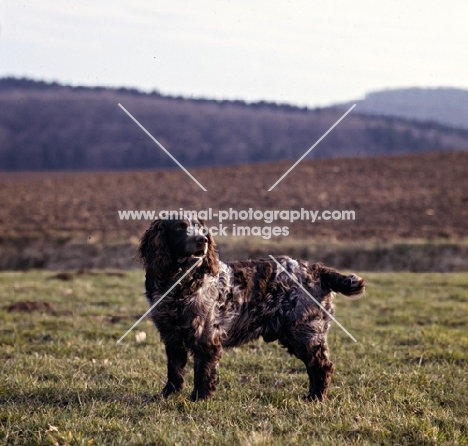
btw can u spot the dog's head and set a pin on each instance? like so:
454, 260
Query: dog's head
170, 245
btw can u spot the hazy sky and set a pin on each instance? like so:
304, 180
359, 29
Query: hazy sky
302, 52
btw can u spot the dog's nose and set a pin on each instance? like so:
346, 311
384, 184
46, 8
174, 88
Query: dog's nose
201, 240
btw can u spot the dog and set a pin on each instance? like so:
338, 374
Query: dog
220, 305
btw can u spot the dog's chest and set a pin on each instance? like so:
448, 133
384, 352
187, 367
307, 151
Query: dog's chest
215, 305
207, 312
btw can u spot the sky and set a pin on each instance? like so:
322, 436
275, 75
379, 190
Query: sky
307, 52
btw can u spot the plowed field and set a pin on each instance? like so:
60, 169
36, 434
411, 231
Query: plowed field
393, 198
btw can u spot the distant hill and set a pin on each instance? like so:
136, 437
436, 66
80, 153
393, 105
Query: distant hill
447, 106
54, 127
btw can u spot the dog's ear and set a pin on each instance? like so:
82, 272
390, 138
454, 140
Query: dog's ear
153, 250
211, 258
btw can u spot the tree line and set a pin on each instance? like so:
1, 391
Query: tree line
47, 126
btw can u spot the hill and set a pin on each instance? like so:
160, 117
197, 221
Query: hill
446, 106
53, 127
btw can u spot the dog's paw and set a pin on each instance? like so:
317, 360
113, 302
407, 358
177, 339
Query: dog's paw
169, 389
313, 397
198, 395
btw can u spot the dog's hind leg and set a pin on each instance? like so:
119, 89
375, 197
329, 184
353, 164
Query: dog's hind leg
177, 357
206, 371
320, 370
315, 357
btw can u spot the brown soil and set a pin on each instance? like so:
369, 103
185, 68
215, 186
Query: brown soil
30, 306
394, 198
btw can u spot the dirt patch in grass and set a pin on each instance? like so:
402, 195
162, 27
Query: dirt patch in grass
30, 306
33, 306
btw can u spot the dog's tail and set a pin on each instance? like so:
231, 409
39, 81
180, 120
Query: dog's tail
351, 286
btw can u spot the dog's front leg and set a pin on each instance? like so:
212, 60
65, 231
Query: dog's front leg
206, 371
177, 357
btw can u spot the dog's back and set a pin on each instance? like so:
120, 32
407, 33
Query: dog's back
262, 298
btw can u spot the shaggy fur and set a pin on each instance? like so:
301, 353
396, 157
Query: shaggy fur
221, 305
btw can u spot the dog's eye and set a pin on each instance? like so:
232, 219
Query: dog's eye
181, 227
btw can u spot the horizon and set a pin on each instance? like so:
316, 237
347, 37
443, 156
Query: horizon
137, 90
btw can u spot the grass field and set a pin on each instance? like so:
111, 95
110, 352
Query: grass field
65, 380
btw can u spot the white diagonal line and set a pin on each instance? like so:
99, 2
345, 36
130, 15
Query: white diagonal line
308, 151
313, 298
160, 299
162, 147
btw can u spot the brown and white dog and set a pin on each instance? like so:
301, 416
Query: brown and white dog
220, 305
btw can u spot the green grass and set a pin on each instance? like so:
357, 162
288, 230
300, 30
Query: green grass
65, 380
